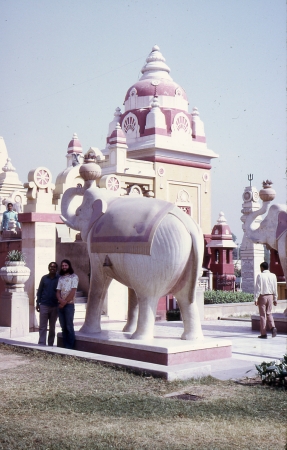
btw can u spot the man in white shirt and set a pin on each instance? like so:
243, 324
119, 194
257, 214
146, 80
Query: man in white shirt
265, 294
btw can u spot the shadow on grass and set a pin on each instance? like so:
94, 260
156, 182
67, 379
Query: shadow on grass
150, 407
26, 439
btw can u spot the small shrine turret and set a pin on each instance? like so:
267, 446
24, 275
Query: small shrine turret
74, 152
221, 246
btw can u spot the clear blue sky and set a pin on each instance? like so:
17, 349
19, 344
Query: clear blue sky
67, 64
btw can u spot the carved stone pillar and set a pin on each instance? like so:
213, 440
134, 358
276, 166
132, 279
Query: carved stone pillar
252, 255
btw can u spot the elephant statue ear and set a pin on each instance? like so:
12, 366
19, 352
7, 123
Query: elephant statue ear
99, 208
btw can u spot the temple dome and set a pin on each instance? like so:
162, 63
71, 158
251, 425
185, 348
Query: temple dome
221, 230
157, 106
150, 87
75, 145
155, 81
118, 136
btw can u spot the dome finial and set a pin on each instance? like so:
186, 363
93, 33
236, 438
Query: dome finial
221, 218
155, 65
8, 166
117, 112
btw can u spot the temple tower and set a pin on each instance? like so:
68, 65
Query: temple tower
167, 156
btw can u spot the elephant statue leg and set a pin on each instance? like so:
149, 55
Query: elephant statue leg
146, 317
190, 315
98, 289
133, 310
191, 320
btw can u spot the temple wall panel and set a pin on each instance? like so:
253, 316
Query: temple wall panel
172, 179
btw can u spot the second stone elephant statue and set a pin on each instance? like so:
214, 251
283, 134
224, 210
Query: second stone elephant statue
272, 231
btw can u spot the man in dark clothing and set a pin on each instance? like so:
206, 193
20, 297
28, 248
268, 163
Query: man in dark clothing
47, 304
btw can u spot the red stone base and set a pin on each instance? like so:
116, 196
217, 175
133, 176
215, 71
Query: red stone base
279, 319
167, 352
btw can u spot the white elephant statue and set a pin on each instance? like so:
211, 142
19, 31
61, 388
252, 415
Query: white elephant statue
149, 245
272, 231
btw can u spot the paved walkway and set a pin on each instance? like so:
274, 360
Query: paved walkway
247, 349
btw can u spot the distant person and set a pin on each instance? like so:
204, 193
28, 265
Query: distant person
266, 294
8, 215
47, 304
66, 293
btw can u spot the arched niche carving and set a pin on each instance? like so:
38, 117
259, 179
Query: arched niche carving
181, 126
132, 100
130, 126
183, 202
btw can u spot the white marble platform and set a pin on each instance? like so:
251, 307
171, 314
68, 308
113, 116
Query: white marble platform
247, 350
164, 350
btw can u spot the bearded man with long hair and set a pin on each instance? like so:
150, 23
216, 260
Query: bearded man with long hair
66, 294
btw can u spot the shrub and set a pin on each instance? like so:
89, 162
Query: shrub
15, 255
215, 297
274, 372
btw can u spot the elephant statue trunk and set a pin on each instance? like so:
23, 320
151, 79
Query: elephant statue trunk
67, 207
251, 228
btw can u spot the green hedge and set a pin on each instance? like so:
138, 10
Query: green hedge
215, 297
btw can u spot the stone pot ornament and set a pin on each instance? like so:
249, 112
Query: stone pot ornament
15, 273
267, 193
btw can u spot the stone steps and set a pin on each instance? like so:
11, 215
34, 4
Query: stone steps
80, 311
4, 332
80, 308
80, 297
63, 233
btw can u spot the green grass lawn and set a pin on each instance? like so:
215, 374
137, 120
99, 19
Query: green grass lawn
55, 402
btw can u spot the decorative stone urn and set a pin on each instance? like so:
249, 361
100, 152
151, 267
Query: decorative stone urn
15, 274
267, 194
90, 170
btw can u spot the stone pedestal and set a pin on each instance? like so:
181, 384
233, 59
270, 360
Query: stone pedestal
39, 247
280, 321
252, 255
14, 313
159, 350
38, 231
282, 290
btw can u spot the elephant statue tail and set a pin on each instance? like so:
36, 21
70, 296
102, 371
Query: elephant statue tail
197, 252
193, 268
